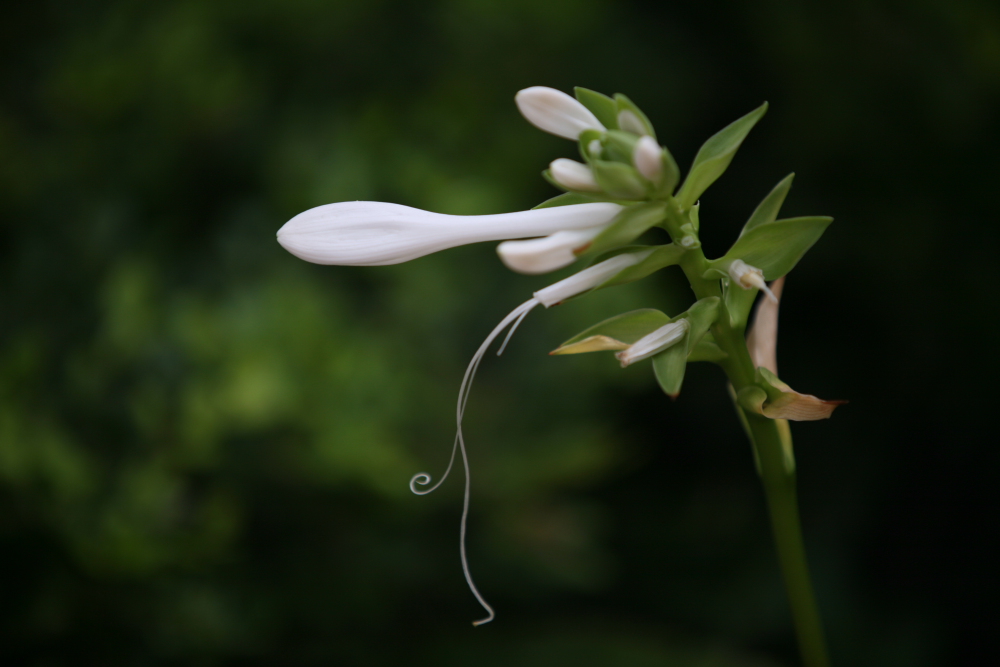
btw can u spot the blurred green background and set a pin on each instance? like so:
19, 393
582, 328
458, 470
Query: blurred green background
205, 443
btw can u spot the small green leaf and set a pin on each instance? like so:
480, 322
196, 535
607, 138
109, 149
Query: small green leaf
625, 104
669, 367
620, 146
767, 210
775, 247
700, 316
661, 257
627, 226
715, 155
707, 350
626, 328
618, 180
738, 302
600, 105
567, 199
588, 137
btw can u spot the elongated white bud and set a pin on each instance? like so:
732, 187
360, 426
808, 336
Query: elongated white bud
548, 253
749, 277
653, 343
628, 121
374, 233
555, 112
573, 175
648, 159
589, 278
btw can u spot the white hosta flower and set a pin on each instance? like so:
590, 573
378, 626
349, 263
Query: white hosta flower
375, 233
555, 112
547, 253
573, 175
749, 277
653, 343
553, 294
648, 159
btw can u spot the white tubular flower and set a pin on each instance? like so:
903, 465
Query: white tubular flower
589, 278
629, 122
573, 175
653, 343
648, 159
577, 284
749, 277
555, 112
547, 253
375, 233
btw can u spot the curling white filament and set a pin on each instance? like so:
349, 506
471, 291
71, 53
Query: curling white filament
553, 294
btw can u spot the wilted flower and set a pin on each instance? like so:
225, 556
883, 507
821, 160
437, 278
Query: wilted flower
653, 343
749, 277
762, 342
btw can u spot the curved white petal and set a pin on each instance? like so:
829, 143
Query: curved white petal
555, 112
589, 278
375, 233
547, 253
573, 175
648, 158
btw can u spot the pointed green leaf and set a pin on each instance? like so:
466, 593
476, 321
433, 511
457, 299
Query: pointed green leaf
701, 316
625, 104
715, 155
619, 146
767, 210
600, 105
775, 247
627, 327
627, 226
669, 367
738, 302
661, 257
567, 199
618, 180
707, 350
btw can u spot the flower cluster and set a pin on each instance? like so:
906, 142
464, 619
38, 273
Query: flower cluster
626, 184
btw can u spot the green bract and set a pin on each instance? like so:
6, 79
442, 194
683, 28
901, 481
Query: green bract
715, 155
775, 247
600, 105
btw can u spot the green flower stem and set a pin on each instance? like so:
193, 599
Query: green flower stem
772, 444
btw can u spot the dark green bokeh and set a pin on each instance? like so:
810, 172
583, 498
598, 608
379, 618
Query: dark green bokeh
205, 443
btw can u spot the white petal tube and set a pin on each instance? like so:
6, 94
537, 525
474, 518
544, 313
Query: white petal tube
547, 253
573, 175
555, 112
589, 278
653, 343
375, 233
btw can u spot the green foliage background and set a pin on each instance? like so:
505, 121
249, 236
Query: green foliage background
205, 443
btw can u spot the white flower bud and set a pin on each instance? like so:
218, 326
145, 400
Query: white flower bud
555, 112
374, 233
547, 253
589, 278
628, 121
648, 159
573, 175
594, 147
653, 343
749, 277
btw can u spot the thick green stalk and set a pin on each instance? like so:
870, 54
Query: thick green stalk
772, 444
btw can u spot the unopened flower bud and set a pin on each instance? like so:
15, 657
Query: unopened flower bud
749, 277
594, 147
555, 112
648, 159
548, 253
573, 175
628, 121
653, 343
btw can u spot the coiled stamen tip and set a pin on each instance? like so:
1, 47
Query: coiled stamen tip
423, 479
